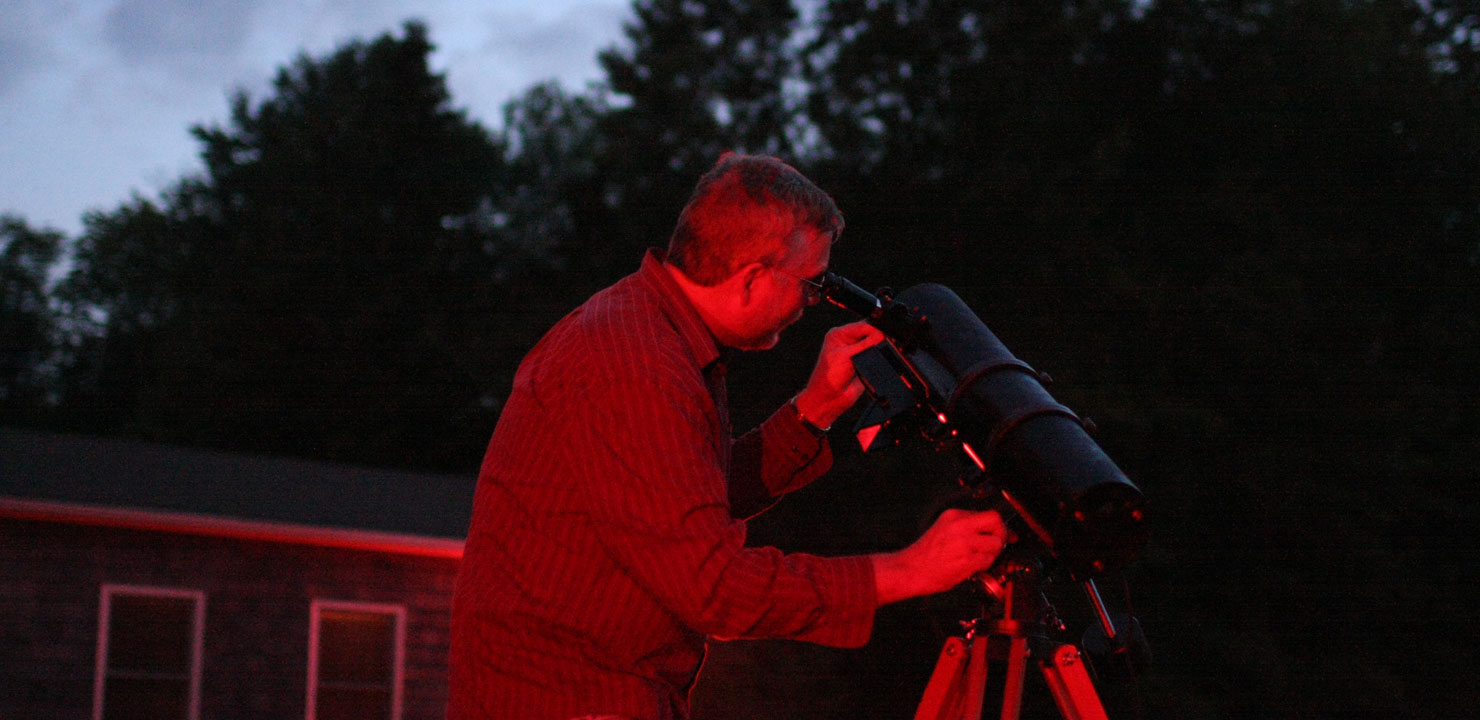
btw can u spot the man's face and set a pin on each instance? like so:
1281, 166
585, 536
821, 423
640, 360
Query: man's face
786, 290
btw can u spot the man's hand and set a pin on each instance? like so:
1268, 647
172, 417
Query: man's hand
960, 544
834, 385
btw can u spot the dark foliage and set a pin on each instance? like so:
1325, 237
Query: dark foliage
321, 290
26, 256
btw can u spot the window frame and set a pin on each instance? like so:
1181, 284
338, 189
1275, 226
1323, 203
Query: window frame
398, 650
106, 594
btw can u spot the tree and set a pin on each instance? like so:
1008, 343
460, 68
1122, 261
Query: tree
309, 294
1243, 234
993, 130
551, 203
695, 79
132, 271
27, 256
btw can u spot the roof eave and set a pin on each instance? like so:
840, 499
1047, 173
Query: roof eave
228, 527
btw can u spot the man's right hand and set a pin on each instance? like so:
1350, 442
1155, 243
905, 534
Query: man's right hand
960, 544
834, 385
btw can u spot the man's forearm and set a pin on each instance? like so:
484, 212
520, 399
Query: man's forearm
893, 581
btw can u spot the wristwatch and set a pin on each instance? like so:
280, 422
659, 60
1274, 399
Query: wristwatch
818, 431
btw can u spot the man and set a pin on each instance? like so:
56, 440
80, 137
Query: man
607, 541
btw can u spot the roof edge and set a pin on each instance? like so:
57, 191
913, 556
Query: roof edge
227, 527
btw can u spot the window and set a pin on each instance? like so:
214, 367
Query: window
149, 653
355, 657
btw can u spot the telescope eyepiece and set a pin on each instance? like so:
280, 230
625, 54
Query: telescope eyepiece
841, 292
902, 324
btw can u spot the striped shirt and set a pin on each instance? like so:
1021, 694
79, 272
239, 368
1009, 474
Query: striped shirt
607, 542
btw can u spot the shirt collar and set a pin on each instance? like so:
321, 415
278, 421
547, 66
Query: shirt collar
679, 311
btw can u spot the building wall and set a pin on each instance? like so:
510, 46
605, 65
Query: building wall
257, 597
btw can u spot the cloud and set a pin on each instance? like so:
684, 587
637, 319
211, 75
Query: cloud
546, 45
18, 54
177, 30
25, 47
503, 51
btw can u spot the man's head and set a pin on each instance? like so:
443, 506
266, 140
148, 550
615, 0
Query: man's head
748, 208
751, 238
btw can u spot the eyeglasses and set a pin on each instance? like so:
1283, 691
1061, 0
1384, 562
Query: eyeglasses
812, 286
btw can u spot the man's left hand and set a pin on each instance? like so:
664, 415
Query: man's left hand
834, 385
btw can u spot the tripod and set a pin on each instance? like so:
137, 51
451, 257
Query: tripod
957, 686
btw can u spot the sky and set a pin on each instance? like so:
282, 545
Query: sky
97, 97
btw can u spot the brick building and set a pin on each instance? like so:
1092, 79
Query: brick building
139, 580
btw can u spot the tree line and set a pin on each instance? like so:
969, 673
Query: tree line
1245, 236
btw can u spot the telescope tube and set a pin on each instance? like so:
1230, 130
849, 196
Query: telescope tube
1034, 450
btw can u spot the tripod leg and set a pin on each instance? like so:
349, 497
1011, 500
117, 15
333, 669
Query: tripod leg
1017, 669
976, 680
957, 683
944, 689
1071, 686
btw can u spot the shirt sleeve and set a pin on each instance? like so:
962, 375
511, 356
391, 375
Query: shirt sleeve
779, 456
658, 501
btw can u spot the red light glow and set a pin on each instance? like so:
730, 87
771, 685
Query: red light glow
215, 526
974, 457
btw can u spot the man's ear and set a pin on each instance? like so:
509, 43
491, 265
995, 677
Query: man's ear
748, 279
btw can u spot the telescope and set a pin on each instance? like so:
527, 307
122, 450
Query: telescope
943, 375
